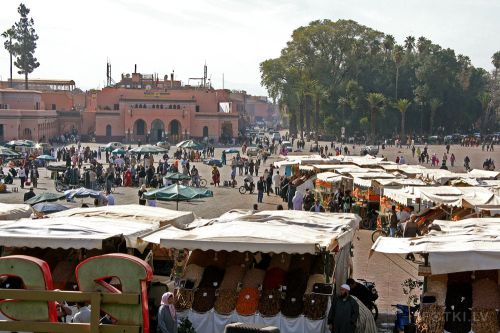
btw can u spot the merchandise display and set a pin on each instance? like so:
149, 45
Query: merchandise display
270, 302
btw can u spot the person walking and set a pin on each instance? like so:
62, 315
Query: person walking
167, 316
344, 312
22, 176
277, 183
393, 221
216, 176
260, 189
452, 160
297, 201
34, 176
269, 183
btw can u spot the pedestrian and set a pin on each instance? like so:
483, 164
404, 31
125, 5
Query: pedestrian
28, 195
308, 200
34, 176
452, 160
110, 199
393, 221
317, 207
22, 176
257, 166
277, 183
344, 312
260, 189
141, 191
269, 183
215, 176
297, 201
167, 316
347, 202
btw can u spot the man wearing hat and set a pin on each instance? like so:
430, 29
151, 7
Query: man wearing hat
344, 312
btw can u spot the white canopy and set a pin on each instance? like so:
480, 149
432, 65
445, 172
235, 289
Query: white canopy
366, 160
467, 245
267, 231
14, 211
329, 177
400, 182
71, 232
137, 213
444, 195
484, 174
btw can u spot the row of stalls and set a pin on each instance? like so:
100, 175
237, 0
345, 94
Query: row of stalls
375, 185
461, 269
270, 267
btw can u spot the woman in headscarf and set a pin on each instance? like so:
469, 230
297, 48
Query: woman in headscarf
167, 317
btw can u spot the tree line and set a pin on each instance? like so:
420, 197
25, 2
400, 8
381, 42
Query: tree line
342, 74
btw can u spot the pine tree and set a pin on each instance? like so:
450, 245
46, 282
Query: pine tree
24, 47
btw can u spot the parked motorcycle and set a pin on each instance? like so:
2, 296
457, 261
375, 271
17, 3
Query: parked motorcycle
247, 187
373, 290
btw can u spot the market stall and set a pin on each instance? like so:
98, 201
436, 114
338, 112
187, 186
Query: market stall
270, 267
14, 211
137, 213
461, 269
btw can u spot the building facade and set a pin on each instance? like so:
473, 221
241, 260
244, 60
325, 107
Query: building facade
139, 108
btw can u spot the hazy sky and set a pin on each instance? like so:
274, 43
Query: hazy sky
232, 36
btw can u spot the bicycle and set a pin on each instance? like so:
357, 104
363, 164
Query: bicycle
383, 230
202, 183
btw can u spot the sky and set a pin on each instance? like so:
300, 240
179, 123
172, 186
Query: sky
232, 36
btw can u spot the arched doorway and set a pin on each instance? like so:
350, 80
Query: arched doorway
205, 131
226, 131
157, 130
27, 133
108, 131
175, 130
140, 127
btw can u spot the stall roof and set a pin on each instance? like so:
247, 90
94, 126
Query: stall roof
14, 211
401, 195
328, 176
484, 174
439, 175
467, 245
71, 232
137, 213
366, 160
400, 182
267, 231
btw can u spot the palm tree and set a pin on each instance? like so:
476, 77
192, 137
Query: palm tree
376, 102
410, 44
485, 99
388, 43
435, 104
495, 60
402, 106
397, 56
423, 44
344, 103
319, 94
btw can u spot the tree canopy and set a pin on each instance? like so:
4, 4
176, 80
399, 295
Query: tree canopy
359, 76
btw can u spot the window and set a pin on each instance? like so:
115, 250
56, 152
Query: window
170, 106
178, 107
37, 106
153, 106
116, 107
136, 105
161, 106
54, 107
197, 108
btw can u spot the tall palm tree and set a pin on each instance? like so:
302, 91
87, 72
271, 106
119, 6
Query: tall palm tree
423, 44
389, 42
434, 104
495, 60
402, 106
376, 102
319, 94
397, 56
410, 44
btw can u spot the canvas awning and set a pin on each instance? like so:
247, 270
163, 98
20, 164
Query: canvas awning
401, 195
484, 174
136, 213
267, 231
14, 211
400, 182
72, 232
330, 177
467, 245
